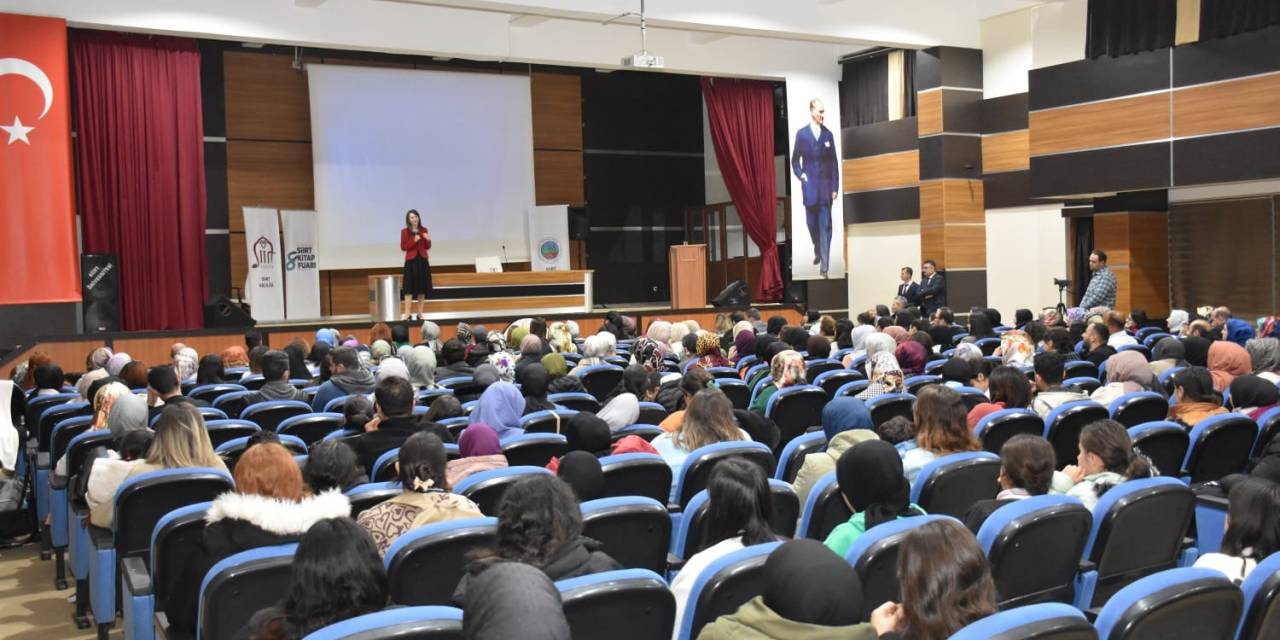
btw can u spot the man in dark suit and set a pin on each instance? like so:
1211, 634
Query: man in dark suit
909, 290
933, 288
815, 163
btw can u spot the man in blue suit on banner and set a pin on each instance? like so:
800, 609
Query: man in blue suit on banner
815, 163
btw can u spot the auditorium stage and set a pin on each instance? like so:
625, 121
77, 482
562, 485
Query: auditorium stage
152, 347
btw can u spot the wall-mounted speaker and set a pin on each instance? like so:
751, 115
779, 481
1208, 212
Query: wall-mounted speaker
100, 292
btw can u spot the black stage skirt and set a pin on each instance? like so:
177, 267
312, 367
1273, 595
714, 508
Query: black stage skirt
417, 277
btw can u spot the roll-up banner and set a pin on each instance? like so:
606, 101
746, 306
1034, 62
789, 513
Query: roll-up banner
301, 271
549, 237
264, 285
817, 203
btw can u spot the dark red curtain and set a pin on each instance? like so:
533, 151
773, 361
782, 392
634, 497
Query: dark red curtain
140, 170
741, 116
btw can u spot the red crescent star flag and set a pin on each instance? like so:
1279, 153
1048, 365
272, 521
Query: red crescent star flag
38, 255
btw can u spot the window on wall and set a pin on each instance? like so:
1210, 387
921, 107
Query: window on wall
1224, 253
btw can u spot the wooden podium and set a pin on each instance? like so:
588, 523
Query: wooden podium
687, 266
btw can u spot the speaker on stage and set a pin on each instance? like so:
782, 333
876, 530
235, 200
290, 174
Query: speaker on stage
578, 227
220, 312
100, 292
735, 295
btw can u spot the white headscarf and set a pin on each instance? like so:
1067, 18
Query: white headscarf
1177, 321
392, 368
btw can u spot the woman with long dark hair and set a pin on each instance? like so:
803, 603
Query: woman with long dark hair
1194, 397
945, 582
1253, 529
1106, 459
211, 370
336, 574
738, 508
415, 241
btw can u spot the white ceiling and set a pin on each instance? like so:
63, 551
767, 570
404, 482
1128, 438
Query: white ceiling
861, 23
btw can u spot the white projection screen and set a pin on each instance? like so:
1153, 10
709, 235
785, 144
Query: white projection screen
456, 146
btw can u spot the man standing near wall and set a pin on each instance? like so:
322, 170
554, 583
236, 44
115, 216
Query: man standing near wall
933, 288
814, 161
1102, 288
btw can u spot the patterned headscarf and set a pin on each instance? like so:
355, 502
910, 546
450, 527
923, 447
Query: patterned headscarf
1016, 348
497, 342
560, 338
185, 363
1267, 326
1050, 317
886, 376
897, 333
464, 333
911, 356
646, 352
1264, 353
506, 365
422, 367
787, 369
431, 334
1076, 315
708, 344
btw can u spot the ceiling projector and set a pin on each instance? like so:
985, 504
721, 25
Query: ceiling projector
643, 60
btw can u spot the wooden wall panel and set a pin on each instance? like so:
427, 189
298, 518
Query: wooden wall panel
1137, 246
1009, 151
962, 202
1100, 124
267, 99
929, 110
1111, 234
1227, 106
557, 111
885, 171
155, 351
68, 355
557, 177
932, 203
932, 245
966, 246
271, 174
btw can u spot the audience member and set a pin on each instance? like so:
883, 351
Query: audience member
454, 353
210, 371
1252, 529
534, 382
1009, 389
540, 524
694, 380
558, 370
846, 422
1253, 396
1050, 394
941, 428
332, 464
500, 406
395, 422
346, 378
177, 444
897, 431
786, 369
1095, 339
1194, 396
1127, 372
738, 508
1168, 353
513, 600
1226, 361
425, 498
1106, 459
1027, 463
885, 376
480, 451
708, 420
623, 406
944, 580
911, 356
873, 486
335, 575
275, 370
1264, 355
582, 472
163, 389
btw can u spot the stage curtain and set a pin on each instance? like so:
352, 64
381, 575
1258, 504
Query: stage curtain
740, 113
909, 83
864, 90
140, 169
1118, 27
1222, 18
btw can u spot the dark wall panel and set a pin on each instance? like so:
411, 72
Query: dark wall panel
1142, 166
215, 181
19, 323
1008, 189
1006, 113
966, 289
882, 137
1248, 155
637, 111
1246, 54
948, 156
617, 182
1098, 79
882, 206
217, 247
962, 111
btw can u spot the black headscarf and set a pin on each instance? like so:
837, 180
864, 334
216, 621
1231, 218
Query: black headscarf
1252, 391
760, 428
297, 362
957, 370
1171, 349
534, 380
775, 324
942, 336
870, 476
763, 342
587, 432
1197, 349
513, 600
318, 351
582, 472
806, 582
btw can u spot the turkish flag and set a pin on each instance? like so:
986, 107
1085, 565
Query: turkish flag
38, 255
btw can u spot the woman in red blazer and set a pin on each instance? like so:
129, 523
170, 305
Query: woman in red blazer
415, 240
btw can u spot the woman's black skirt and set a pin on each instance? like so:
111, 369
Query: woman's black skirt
417, 277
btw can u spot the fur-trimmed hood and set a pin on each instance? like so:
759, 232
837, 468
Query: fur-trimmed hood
282, 517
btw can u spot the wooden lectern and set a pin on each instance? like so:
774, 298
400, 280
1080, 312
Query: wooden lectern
687, 265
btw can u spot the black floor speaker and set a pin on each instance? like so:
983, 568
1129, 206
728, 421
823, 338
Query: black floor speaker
220, 312
737, 294
100, 292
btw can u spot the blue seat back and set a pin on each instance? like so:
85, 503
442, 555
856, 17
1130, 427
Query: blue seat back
311, 427
239, 586
210, 392
576, 400
1185, 603
824, 509
632, 604
725, 584
1268, 427
371, 494
698, 465
996, 428
1138, 528
1047, 621
651, 413
420, 623
599, 380
792, 456
887, 406
949, 485
1220, 445
635, 531
1164, 443
222, 431
270, 414
533, 449
232, 403
142, 500
442, 551
1261, 591
487, 487
1135, 408
174, 536
52, 414
874, 555
853, 388
546, 421
636, 474
795, 410
1034, 546
1063, 426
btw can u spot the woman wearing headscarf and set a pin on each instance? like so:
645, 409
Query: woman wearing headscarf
379, 350
911, 357
1168, 354
1195, 398
594, 350
1264, 355
327, 336
392, 368
534, 381
235, 356
500, 407
98, 358
659, 331
876, 344
558, 370
480, 450
886, 376
115, 363
1197, 349
874, 486
1177, 321
647, 353
1127, 372
82, 385
622, 408
846, 422
709, 351
785, 369
1253, 396
431, 335
809, 593
678, 331
582, 472
1016, 348
897, 333
1227, 360
513, 600
505, 363
486, 374
560, 338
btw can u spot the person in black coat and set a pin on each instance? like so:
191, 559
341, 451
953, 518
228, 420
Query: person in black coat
540, 524
933, 288
907, 289
269, 506
1026, 469
1095, 340
394, 423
